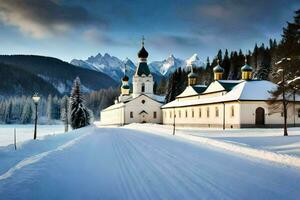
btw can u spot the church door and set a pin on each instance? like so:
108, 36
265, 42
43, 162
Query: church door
260, 116
143, 117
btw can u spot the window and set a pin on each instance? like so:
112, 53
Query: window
281, 114
154, 115
131, 114
299, 113
207, 112
170, 114
143, 101
232, 111
186, 114
179, 113
193, 113
217, 112
200, 114
143, 87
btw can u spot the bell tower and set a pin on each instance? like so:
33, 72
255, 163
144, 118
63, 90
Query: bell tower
142, 80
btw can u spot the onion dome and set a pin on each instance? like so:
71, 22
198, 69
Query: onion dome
218, 68
126, 87
246, 67
143, 53
125, 78
192, 75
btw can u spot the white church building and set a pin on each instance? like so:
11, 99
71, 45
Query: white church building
140, 106
228, 104
223, 103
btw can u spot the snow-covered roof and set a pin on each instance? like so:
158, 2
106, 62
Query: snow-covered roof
115, 106
258, 90
192, 90
222, 85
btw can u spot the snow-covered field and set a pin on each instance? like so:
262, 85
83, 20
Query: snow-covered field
25, 132
141, 162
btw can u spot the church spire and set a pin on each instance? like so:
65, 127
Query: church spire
143, 55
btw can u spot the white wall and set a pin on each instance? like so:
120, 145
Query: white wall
113, 116
244, 115
213, 120
136, 106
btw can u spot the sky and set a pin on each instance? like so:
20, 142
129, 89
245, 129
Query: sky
69, 29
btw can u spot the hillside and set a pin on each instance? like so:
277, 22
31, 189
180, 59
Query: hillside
17, 82
58, 73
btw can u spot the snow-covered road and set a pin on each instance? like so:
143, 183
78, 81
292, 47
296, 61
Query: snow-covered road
119, 163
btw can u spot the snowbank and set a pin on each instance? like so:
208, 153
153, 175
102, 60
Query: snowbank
32, 151
228, 146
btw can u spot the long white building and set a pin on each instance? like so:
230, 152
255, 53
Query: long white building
228, 104
140, 106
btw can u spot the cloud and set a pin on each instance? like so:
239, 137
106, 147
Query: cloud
43, 18
93, 35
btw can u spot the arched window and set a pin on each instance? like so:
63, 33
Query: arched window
186, 114
143, 87
193, 113
232, 111
179, 113
200, 114
217, 112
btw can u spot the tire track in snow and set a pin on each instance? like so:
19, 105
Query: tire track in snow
35, 158
195, 177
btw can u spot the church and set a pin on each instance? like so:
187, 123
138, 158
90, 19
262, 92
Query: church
228, 103
140, 106
221, 104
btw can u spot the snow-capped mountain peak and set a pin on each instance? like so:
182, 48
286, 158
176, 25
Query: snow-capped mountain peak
114, 67
194, 61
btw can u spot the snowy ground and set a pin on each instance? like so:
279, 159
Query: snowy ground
130, 163
25, 132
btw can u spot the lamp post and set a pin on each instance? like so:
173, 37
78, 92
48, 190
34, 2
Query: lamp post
36, 100
283, 82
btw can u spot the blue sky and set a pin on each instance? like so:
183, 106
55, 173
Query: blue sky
69, 29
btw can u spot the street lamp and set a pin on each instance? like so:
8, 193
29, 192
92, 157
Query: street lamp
36, 100
283, 82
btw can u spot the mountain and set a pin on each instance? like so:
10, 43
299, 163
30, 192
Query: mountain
58, 73
111, 65
167, 66
194, 61
114, 67
18, 82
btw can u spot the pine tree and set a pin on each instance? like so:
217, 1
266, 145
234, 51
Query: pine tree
80, 115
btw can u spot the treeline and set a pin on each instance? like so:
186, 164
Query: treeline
20, 110
262, 58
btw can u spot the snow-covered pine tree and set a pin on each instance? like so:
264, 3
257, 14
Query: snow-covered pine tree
64, 112
80, 115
